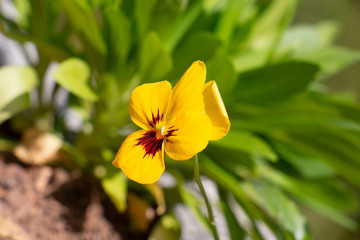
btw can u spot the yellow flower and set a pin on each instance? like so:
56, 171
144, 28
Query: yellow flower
180, 121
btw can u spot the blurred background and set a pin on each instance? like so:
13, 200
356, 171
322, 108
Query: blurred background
288, 72
347, 14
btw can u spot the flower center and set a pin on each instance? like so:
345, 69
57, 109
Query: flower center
163, 130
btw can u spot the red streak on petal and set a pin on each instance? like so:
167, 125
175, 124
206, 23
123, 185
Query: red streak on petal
150, 143
171, 131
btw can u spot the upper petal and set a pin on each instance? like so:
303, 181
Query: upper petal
141, 157
187, 135
216, 111
187, 93
149, 103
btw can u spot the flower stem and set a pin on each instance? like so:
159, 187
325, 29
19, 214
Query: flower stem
202, 190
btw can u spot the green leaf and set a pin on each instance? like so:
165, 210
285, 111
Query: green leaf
230, 183
274, 83
82, 19
73, 74
176, 31
168, 227
281, 208
245, 61
230, 18
324, 148
115, 186
272, 21
24, 8
120, 38
240, 147
221, 69
155, 61
332, 59
235, 229
15, 81
324, 197
16, 106
190, 200
307, 164
142, 13
198, 46
296, 124
304, 39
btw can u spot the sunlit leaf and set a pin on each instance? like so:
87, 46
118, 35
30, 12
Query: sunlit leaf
15, 81
115, 186
73, 74
333, 59
17, 105
304, 39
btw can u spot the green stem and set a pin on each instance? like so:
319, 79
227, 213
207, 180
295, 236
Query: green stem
202, 190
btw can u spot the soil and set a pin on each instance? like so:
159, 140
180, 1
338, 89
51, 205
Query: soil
42, 202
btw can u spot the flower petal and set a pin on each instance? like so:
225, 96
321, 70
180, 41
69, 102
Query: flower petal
149, 103
187, 93
187, 135
215, 110
141, 157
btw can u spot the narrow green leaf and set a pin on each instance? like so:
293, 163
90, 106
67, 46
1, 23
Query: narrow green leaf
235, 229
322, 197
190, 200
221, 69
274, 83
198, 46
229, 183
24, 8
307, 164
120, 38
183, 22
230, 18
142, 12
73, 74
155, 61
15, 81
83, 20
240, 148
281, 208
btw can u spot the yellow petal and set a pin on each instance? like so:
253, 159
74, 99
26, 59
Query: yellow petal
141, 156
149, 103
187, 93
215, 110
187, 135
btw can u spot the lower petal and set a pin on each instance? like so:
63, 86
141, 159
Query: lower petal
141, 157
187, 135
215, 110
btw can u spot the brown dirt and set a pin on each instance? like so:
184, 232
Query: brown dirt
49, 203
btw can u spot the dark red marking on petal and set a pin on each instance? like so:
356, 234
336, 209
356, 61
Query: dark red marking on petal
155, 119
150, 123
150, 143
171, 131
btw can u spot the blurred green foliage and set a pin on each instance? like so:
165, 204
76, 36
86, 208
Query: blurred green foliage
291, 142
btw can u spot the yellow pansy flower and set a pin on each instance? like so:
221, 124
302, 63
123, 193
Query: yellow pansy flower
179, 121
